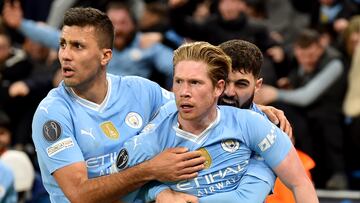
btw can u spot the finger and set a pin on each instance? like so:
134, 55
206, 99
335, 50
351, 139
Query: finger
272, 117
190, 155
190, 170
194, 161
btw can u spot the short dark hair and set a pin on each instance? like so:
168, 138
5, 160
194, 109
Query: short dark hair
245, 56
306, 38
92, 17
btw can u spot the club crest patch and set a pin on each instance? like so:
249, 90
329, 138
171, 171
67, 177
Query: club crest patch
230, 145
51, 130
206, 155
133, 120
109, 130
122, 159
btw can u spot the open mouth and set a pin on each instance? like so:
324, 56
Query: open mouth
67, 72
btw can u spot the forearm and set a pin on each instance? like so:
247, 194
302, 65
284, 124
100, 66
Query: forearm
105, 188
305, 193
307, 94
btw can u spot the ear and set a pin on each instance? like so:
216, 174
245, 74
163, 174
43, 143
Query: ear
258, 84
219, 87
106, 56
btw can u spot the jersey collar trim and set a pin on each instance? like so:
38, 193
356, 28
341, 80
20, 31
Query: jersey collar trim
197, 138
91, 105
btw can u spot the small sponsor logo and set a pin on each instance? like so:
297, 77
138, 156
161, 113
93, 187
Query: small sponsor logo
230, 145
148, 128
59, 146
109, 130
133, 120
268, 141
122, 159
88, 133
51, 130
206, 155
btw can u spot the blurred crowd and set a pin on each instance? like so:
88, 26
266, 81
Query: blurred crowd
312, 62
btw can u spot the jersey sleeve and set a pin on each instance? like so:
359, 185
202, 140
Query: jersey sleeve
266, 139
53, 136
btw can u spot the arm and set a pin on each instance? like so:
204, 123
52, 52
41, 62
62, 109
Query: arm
307, 94
44, 34
170, 165
292, 174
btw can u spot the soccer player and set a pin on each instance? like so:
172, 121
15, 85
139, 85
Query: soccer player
79, 126
225, 136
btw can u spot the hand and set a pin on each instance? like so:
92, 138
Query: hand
18, 88
277, 116
176, 164
149, 39
276, 53
166, 196
266, 95
12, 13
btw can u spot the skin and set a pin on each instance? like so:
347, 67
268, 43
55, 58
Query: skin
195, 95
309, 56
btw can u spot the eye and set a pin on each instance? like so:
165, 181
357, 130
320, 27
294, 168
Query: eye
62, 44
195, 82
177, 81
78, 45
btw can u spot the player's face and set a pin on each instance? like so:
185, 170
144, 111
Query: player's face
240, 90
195, 95
80, 56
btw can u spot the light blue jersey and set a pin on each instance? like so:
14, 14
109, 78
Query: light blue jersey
7, 188
227, 144
68, 129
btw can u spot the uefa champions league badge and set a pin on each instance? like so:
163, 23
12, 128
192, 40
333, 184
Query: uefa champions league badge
230, 145
51, 130
134, 120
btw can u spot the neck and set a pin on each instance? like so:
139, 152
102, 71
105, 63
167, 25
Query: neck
198, 125
94, 91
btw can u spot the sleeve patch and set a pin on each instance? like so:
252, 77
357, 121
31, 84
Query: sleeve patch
51, 130
59, 146
122, 159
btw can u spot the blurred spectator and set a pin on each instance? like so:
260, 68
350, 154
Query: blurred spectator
313, 103
330, 18
352, 99
230, 22
14, 66
131, 54
7, 189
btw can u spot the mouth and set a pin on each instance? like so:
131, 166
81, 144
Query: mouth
186, 107
67, 71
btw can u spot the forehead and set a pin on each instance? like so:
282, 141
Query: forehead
191, 69
76, 33
240, 75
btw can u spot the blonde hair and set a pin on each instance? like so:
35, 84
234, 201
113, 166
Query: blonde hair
219, 64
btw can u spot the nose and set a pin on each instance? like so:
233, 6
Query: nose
230, 90
185, 90
64, 53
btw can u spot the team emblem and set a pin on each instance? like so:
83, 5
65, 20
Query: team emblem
206, 155
135, 54
51, 130
109, 130
230, 145
133, 120
122, 159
